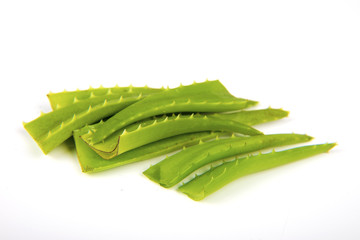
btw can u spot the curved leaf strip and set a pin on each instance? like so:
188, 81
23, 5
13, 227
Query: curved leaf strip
210, 96
216, 178
152, 130
91, 162
66, 98
51, 129
175, 168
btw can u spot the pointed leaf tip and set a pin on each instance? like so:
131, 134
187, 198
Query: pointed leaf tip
331, 146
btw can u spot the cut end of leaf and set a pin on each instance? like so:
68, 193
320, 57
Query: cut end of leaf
196, 196
331, 146
153, 174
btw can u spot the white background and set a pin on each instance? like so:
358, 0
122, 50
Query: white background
303, 56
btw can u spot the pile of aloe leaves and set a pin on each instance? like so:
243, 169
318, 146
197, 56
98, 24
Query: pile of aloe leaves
115, 126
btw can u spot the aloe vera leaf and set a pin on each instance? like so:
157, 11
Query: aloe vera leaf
148, 131
216, 178
91, 162
51, 129
173, 169
254, 117
210, 96
65, 98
